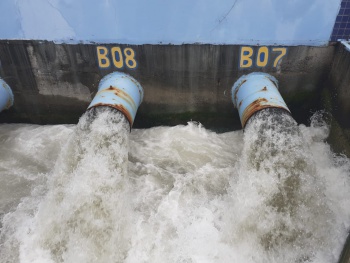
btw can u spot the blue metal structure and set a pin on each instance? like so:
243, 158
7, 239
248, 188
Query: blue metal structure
6, 96
254, 92
119, 91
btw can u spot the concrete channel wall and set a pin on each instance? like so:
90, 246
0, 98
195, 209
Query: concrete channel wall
54, 83
340, 85
336, 98
186, 55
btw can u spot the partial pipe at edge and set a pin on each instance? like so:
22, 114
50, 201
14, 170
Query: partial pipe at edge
119, 91
6, 96
254, 92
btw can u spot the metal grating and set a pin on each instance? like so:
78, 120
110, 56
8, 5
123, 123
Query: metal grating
341, 28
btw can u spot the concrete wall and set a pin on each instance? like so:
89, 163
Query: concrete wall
340, 85
337, 100
186, 54
263, 22
54, 83
337, 96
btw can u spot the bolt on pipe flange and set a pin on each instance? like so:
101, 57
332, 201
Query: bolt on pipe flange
254, 92
119, 91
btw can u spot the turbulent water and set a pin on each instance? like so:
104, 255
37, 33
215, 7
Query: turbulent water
96, 193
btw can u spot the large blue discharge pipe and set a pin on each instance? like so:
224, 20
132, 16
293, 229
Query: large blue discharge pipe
254, 92
119, 91
6, 96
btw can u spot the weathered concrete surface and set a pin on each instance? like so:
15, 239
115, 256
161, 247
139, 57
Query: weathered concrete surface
336, 99
54, 83
345, 255
340, 86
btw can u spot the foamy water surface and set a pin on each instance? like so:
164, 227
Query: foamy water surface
94, 192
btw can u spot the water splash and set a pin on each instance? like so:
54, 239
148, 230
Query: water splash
82, 215
287, 205
275, 193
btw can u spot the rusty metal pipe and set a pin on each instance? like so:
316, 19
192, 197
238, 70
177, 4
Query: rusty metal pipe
119, 91
254, 92
6, 96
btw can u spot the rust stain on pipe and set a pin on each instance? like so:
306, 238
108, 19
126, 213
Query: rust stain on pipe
255, 106
122, 94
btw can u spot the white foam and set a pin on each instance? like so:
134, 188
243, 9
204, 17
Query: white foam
275, 193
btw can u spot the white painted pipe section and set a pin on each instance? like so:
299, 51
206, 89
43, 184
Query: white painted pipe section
254, 92
6, 96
